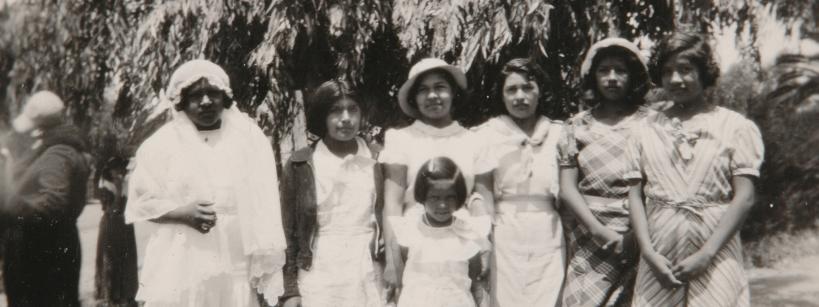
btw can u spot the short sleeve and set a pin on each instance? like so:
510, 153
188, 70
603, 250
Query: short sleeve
394, 151
406, 230
567, 146
748, 150
634, 149
486, 159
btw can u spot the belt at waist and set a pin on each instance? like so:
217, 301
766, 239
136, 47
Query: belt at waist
606, 204
694, 206
525, 203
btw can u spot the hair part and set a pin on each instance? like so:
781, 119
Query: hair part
692, 46
184, 95
532, 72
435, 169
322, 100
639, 82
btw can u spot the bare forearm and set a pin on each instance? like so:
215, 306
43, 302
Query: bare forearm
571, 196
483, 186
733, 218
639, 223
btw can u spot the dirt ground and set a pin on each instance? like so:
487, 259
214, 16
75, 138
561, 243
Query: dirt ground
791, 284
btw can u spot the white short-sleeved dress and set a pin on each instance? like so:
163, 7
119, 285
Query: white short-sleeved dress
529, 249
437, 269
343, 273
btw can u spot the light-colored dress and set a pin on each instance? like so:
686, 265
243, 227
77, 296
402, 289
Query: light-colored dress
596, 277
529, 258
688, 170
437, 268
419, 142
233, 168
343, 273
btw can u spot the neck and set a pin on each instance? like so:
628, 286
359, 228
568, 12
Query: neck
215, 126
615, 108
685, 110
433, 223
437, 122
341, 148
526, 124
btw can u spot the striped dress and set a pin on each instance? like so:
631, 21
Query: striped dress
687, 168
596, 277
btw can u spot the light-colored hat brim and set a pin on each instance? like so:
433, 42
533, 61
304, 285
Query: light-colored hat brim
419, 69
22, 123
611, 42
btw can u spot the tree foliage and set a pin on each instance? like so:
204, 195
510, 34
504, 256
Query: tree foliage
111, 60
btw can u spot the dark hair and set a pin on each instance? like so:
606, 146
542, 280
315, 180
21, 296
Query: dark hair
532, 71
322, 100
458, 92
637, 74
439, 168
692, 46
184, 95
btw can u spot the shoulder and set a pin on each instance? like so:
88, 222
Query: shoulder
159, 142
735, 120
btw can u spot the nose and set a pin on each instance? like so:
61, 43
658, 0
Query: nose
206, 101
676, 77
345, 116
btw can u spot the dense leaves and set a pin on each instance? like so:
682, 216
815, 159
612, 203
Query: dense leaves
111, 60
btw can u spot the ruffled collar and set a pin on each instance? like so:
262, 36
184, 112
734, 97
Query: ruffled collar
453, 129
587, 118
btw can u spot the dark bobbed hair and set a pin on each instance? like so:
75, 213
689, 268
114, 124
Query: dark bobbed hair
184, 95
638, 76
692, 46
531, 71
322, 100
439, 168
458, 93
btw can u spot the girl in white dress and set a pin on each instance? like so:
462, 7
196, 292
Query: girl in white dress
329, 193
429, 95
517, 177
442, 247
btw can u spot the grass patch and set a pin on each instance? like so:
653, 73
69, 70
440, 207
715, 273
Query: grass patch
781, 248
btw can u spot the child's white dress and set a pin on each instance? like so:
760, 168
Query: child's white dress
437, 268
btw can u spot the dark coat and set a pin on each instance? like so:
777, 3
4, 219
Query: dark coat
299, 211
42, 252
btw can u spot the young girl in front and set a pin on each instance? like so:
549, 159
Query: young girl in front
441, 247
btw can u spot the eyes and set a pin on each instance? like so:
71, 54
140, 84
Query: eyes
605, 70
437, 87
679, 68
353, 108
439, 198
527, 87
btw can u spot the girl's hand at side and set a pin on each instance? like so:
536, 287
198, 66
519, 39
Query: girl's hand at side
662, 269
292, 302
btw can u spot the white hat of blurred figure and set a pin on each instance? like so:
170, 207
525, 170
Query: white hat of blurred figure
417, 70
41, 108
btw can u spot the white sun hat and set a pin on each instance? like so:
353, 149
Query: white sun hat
39, 108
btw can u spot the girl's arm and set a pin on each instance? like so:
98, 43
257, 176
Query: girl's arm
729, 224
571, 196
658, 263
483, 186
394, 187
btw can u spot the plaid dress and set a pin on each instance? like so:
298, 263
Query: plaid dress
688, 168
596, 277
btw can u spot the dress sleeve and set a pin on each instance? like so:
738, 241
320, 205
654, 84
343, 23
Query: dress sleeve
486, 155
634, 150
147, 198
406, 231
748, 150
394, 151
567, 146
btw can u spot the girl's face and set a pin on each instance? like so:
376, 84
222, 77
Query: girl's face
520, 96
205, 104
441, 202
682, 80
434, 97
612, 78
343, 120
